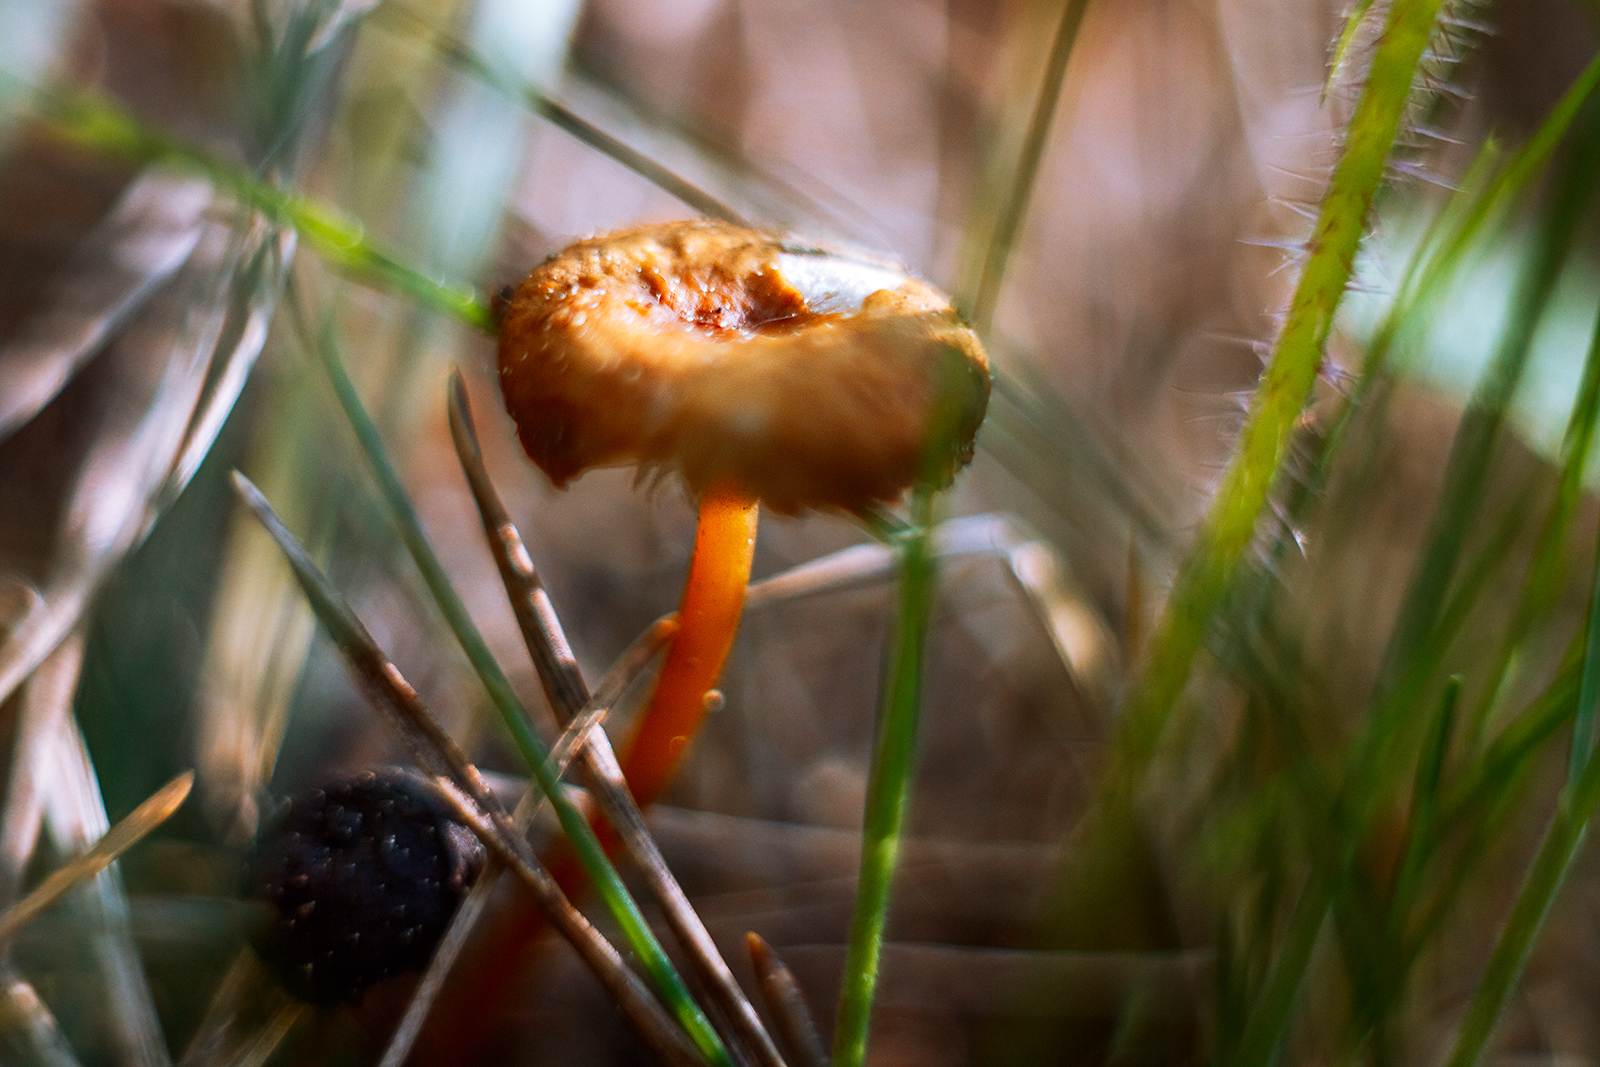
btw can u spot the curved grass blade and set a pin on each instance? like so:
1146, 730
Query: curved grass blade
264, 266
138, 464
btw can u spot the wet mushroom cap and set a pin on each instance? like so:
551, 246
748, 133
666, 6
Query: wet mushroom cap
808, 380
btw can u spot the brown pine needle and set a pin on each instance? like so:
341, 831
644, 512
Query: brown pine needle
782, 995
569, 697
121, 837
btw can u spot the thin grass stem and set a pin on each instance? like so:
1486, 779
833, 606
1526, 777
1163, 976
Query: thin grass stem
888, 783
1549, 870
630, 995
980, 297
465, 59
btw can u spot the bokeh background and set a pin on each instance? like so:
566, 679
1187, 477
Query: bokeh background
1113, 190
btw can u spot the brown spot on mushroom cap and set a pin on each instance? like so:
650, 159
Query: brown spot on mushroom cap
685, 345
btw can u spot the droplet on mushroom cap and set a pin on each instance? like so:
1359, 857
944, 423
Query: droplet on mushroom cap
806, 379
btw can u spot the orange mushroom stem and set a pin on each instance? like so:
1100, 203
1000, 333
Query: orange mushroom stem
708, 620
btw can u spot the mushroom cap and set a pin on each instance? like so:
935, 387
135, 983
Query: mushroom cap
807, 379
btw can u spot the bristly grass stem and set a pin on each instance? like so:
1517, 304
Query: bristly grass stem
1229, 526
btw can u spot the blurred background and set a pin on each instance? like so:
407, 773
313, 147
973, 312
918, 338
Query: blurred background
1115, 193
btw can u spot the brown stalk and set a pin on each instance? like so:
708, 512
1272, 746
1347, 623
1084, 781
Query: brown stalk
568, 695
782, 995
622, 674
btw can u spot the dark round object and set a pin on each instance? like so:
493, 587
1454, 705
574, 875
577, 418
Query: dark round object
362, 875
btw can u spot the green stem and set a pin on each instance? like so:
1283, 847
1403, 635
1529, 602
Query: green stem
1544, 880
1270, 1014
624, 911
981, 295
1580, 435
888, 786
100, 124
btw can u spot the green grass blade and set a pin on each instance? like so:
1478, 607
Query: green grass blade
1274, 1006
1486, 192
1509, 753
998, 233
1483, 802
97, 123
1544, 879
1582, 753
614, 895
1421, 831
1487, 189
1229, 526
1579, 442
888, 786
1546, 573
1414, 649
1475, 209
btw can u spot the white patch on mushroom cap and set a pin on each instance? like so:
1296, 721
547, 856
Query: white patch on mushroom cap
834, 284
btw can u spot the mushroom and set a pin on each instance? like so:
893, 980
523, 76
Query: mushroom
762, 372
